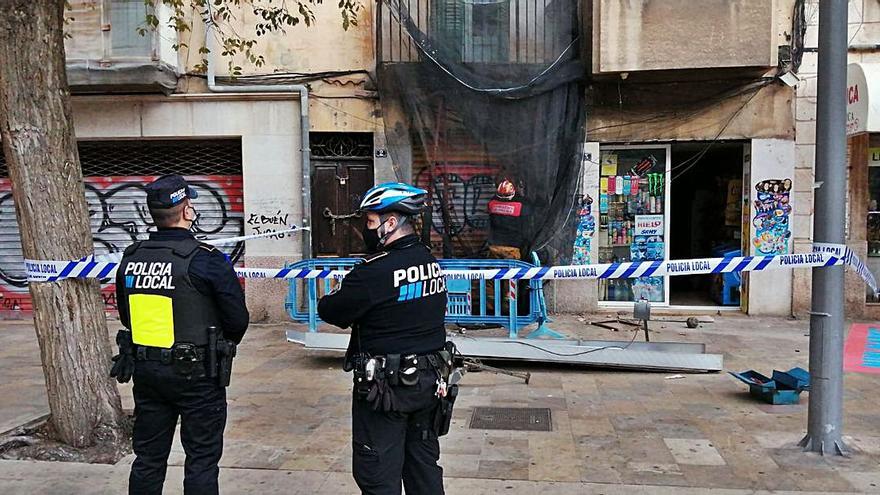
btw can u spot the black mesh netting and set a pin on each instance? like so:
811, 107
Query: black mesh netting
476, 91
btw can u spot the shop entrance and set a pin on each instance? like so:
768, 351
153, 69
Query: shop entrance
706, 219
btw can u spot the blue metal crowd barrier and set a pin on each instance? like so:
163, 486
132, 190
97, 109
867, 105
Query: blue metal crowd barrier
468, 301
481, 290
307, 309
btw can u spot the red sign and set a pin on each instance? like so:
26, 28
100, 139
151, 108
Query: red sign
862, 351
505, 208
852, 94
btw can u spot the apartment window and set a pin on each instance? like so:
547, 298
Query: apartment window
487, 38
125, 18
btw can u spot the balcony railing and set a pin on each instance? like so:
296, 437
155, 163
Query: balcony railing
476, 31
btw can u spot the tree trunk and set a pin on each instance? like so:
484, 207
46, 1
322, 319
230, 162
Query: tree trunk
47, 186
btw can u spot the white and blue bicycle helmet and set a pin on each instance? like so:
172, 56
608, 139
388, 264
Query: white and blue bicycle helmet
394, 197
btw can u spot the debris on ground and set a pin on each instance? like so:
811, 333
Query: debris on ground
784, 388
37, 441
610, 324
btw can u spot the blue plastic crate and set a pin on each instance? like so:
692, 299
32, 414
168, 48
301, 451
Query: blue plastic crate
779, 397
767, 389
795, 378
730, 282
755, 380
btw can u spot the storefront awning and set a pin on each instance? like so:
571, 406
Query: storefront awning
862, 98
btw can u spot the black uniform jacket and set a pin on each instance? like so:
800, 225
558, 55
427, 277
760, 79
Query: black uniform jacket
395, 301
212, 275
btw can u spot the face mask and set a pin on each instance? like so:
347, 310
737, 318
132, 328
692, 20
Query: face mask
371, 239
375, 238
195, 218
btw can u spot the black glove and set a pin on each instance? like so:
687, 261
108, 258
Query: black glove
123, 367
381, 396
123, 363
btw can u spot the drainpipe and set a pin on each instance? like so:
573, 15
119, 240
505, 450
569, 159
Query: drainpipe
303, 122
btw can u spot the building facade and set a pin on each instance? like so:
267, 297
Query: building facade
698, 117
863, 188
697, 142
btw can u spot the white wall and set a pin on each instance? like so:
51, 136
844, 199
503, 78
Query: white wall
271, 165
772, 159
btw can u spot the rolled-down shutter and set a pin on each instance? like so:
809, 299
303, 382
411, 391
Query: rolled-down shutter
115, 175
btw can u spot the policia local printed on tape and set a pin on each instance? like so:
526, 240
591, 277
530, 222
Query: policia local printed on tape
50, 271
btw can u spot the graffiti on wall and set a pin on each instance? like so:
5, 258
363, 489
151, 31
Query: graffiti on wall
771, 223
269, 223
118, 217
585, 228
465, 190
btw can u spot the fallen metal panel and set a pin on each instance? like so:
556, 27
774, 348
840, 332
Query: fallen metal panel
614, 357
319, 341
339, 342
638, 356
680, 347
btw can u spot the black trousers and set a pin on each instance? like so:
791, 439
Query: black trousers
160, 398
388, 447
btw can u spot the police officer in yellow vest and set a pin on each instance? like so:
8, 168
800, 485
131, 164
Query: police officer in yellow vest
170, 290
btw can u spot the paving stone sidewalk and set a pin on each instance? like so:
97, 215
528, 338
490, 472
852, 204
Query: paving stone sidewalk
613, 432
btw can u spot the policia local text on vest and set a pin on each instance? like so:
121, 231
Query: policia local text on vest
184, 309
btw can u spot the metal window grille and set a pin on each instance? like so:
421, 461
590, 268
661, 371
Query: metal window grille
341, 145
156, 157
114, 188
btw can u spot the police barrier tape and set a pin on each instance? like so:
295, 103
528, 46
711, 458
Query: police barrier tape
116, 257
51, 271
241, 238
850, 259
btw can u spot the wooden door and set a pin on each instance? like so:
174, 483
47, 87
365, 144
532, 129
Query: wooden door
337, 187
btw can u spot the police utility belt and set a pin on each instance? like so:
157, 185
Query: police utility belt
397, 369
376, 377
178, 352
187, 359
192, 361
213, 360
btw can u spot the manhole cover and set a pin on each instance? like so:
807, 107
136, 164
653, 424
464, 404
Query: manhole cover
511, 418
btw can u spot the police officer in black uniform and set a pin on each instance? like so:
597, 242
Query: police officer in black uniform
170, 290
395, 302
